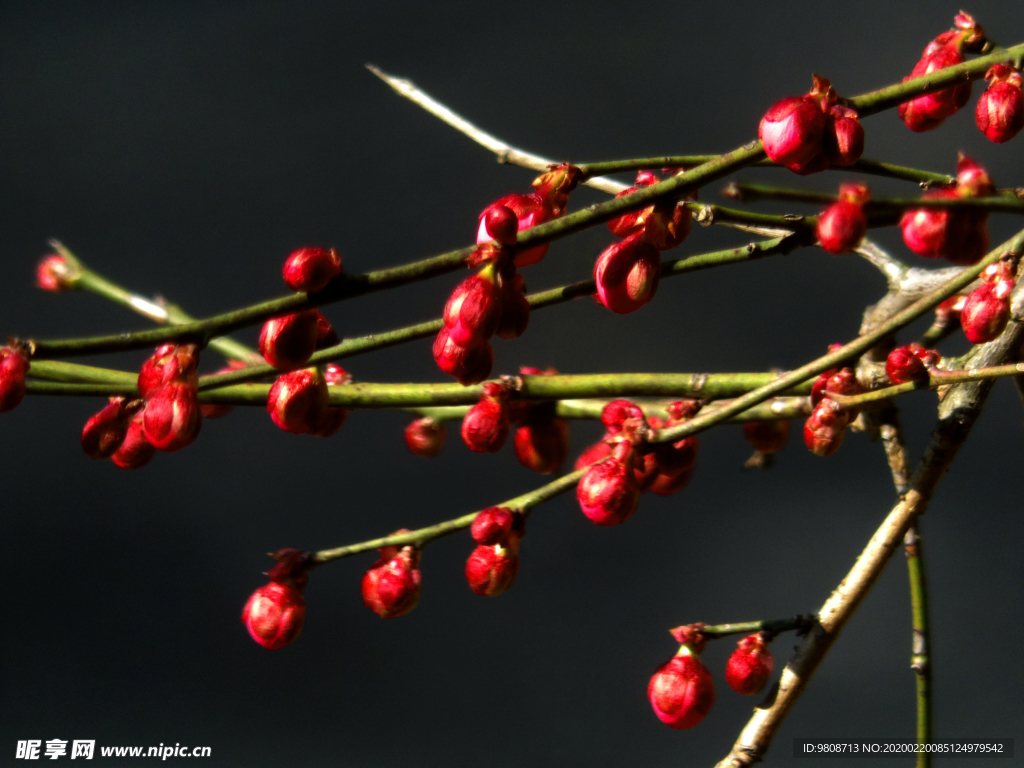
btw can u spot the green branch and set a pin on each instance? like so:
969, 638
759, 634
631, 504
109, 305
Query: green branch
1008, 203
920, 656
803, 624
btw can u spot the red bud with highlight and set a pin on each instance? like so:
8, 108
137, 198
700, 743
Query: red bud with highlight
598, 451
627, 274
172, 417
493, 565
986, 312
842, 141
530, 211
825, 428
135, 450
842, 226
311, 269
287, 342
472, 313
910, 363
791, 130
608, 492
14, 364
682, 691
1000, 110
749, 666
298, 400
425, 437
469, 366
392, 585
105, 431
486, 426
276, 612
55, 274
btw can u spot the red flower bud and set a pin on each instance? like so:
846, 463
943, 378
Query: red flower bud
14, 364
615, 414
608, 492
472, 313
135, 451
490, 570
497, 525
1000, 110
311, 269
842, 141
151, 375
842, 226
598, 451
681, 691
392, 585
530, 211
486, 426
298, 400
55, 274
542, 444
767, 436
172, 418
469, 366
750, 666
909, 363
287, 342
678, 457
986, 312
791, 130
425, 437
334, 418
825, 428
515, 309
275, 613
105, 431
927, 112
500, 224
627, 274
336, 376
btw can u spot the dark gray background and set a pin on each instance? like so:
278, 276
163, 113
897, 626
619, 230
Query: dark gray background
186, 148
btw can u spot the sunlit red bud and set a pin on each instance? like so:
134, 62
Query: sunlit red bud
287, 342
904, 364
425, 437
469, 366
791, 130
14, 364
515, 309
336, 376
490, 570
598, 451
105, 431
392, 585
1000, 110
151, 375
844, 382
274, 614
486, 425
542, 445
767, 436
172, 417
501, 224
927, 112
842, 141
825, 428
553, 187
681, 691
986, 312
749, 666
530, 211
972, 179
135, 451
627, 274
842, 226
311, 269
949, 310
615, 413
497, 525
298, 400
472, 313
608, 493
634, 221
55, 274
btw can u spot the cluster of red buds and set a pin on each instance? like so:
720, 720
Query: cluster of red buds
299, 401
926, 113
1000, 110
275, 612
842, 226
392, 585
987, 309
627, 272
14, 364
682, 690
493, 302
910, 363
622, 465
958, 234
810, 133
493, 565
826, 426
287, 342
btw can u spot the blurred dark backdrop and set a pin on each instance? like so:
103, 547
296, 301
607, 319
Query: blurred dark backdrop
185, 148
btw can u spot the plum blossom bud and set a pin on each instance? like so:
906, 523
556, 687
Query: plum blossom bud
14, 364
767, 436
842, 226
151, 375
542, 444
530, 211
1000, 110
791, 130
664, 225
311, 269
608, 492
469, 366
495, 525
287, 342
986, 312
392, 585
55, 274
486, 426
825, 428
910, 363
472, 313
750, 665
298, 400
842, 141
172, 417
627, 274
682, 691
501, 224
615, 414
425, 437
135, 451
493, 565
597, 452
275, 612
105, 431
